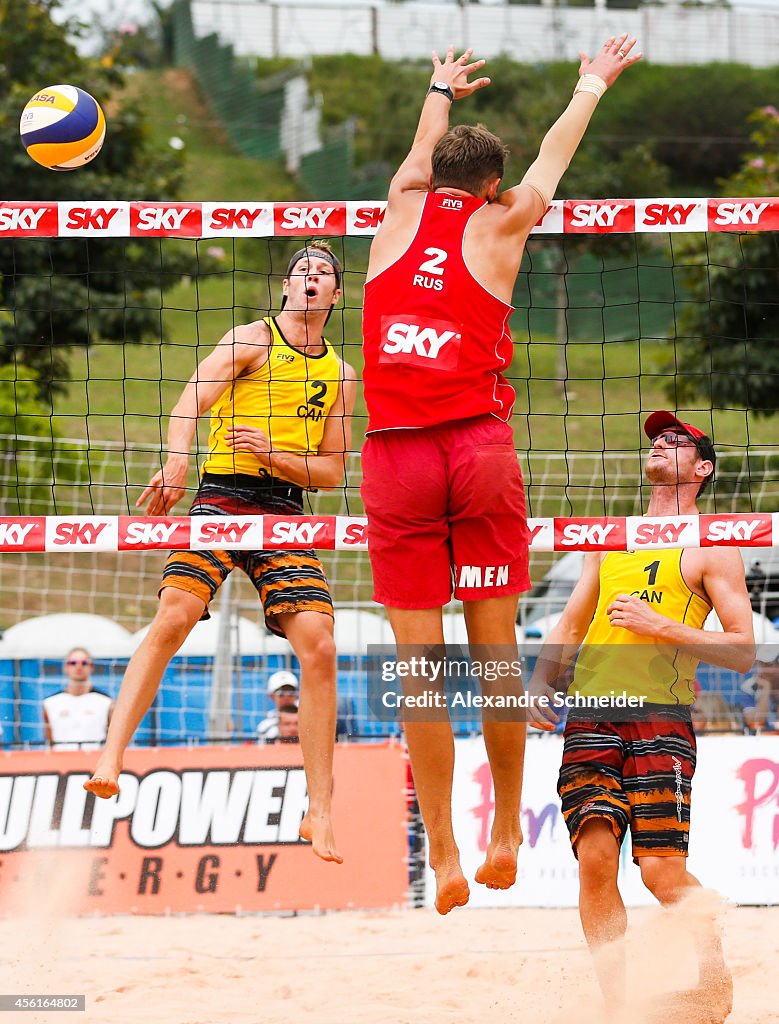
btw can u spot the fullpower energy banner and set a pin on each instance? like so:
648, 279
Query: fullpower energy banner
200, 829
734, 839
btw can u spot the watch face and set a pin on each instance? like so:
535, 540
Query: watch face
441, 85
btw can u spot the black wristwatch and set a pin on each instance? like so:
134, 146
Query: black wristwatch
442, 89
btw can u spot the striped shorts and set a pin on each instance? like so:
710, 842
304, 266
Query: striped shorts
286, 581
636, 775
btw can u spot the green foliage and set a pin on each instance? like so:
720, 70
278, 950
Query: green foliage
34, 49
21, 410
66, 292
730, 323
136, 46
694, 118
383, 106
691, 119
26, 483
735, 475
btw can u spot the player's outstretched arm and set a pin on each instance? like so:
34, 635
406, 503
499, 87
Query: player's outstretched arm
414, 173
536, 190
324, 470
240, 347
562, 644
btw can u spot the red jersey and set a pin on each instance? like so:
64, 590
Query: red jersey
435, 340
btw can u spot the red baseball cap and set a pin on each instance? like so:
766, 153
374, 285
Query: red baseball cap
659, 421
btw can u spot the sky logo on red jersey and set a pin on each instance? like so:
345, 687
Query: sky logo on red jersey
420, 341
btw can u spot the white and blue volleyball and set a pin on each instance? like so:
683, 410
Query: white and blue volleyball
62, 127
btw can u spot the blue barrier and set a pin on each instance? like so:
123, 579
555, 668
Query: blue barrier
180, 713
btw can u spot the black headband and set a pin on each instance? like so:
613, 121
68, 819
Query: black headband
305, 253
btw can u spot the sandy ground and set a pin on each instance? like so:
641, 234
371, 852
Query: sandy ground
403, 967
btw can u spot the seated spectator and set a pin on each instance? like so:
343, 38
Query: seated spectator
763, 714
77, 717
282, 688
712, 713
288, 724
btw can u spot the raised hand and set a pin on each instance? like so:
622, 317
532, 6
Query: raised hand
455, 73
612, 60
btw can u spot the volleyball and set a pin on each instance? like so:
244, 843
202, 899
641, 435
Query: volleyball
62, 127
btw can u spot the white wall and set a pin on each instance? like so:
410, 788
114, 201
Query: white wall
735, 817
668, 34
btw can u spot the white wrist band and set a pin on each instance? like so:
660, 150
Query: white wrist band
591, 83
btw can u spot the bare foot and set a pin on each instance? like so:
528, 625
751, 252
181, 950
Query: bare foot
105, 781
318, 830
451, 887
499, 870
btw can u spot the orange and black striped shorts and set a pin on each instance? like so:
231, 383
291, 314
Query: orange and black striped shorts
636, 775
286, 581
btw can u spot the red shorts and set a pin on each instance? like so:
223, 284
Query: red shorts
445, 504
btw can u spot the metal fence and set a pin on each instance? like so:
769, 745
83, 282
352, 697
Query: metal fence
670, 33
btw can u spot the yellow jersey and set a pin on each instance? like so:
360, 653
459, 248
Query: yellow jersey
614, 659
288, 398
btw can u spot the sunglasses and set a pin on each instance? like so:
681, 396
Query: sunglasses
674, 440
78, 661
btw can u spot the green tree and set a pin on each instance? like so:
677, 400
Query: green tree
73, 291
32, 456
691, 118
596, 173
728, 349
520, 105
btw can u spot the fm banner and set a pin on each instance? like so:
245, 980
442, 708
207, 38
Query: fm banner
734, 838
200, 829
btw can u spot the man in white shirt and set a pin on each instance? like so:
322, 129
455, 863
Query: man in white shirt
77, 717
282, 688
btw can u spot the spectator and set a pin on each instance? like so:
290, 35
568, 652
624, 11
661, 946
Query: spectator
762, 715
288, 731
712, 713
77, 717
282, 688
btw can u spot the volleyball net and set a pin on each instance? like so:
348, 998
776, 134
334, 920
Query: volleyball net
622, 307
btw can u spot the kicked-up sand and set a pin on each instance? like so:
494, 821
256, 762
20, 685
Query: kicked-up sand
399, 967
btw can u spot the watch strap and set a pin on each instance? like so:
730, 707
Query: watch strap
442, 89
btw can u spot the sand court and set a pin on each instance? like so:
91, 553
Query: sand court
399, 967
